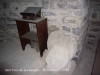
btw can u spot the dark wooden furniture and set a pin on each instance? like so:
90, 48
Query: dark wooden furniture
31, 13
26, 35
96, 65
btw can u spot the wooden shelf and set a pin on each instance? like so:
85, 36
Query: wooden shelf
31, 36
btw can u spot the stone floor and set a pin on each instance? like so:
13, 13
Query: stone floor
86, 63
14, 61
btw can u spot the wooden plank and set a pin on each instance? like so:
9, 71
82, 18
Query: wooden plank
96, 65
31, 36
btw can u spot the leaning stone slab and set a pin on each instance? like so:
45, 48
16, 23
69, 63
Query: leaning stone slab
62, 47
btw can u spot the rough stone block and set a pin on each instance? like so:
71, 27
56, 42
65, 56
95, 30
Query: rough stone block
16, 0
65, 13
51, 21
95, 23
1, 13
5, 5
3, 19
49, 14
81, 12
2, 26
82, 35
91, 36
61, 47
78, 13
94, 15
66, 6
12, 26
78, 30
82, 4
45, 4
11, 18
52, 28
95, 29
68, 20
1, 6
91, 42
1, 36
96, 1
4, 13
66, 28
96, 7
13, 14
86, 18
81, 44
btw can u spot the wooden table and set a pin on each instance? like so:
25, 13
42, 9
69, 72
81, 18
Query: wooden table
26, 35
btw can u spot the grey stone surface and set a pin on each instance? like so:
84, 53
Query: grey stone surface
15, 58
16, 0
60, 45
96, 7
49, 14
95, 29
12, 26
52, 28
2, 27
5, 5
3, 19
94, 26
45, 4
69, 20
51, 21
86, 62
66, 28
94, 15
64, 13
78, 13
10, 18
77, 30
86, 18
91, 42
95, 23
65, 6
82, 4
91, 36
96, 0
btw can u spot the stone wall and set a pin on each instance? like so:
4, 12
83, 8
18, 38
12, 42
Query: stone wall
69, 15
94, 26
9, 12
